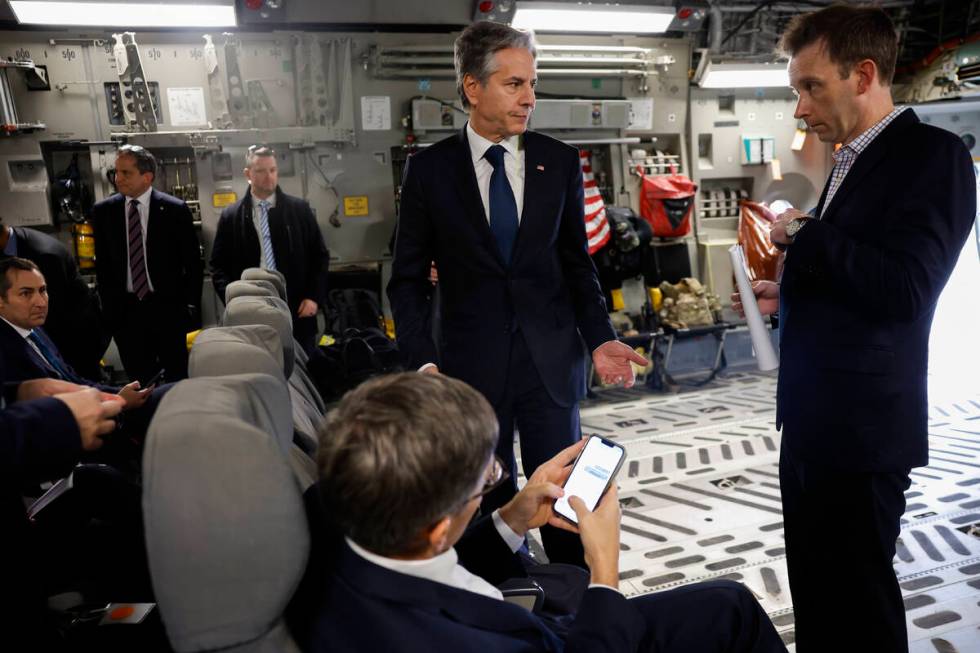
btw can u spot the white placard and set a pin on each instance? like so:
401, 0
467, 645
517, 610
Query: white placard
375, 112
641, 113
187, 107
765, 353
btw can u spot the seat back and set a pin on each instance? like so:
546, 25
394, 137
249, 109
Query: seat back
256, 288
226, 533
256, 348
275, 277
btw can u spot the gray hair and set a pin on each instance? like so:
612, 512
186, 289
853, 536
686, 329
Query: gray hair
255, 151
475, 48
399, 453
145, 161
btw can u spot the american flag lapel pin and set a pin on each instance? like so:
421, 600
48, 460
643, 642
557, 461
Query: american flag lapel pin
540, 167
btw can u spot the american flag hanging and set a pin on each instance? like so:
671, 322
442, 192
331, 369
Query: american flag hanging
596, 224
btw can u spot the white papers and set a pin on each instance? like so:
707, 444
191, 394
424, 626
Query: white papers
765, 354
187, 107
48, 497
375, 112
641, 113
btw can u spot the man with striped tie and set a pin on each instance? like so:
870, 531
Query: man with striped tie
500, 210
270, 229
149, 269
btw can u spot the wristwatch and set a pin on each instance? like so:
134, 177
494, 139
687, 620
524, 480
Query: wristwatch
793, 227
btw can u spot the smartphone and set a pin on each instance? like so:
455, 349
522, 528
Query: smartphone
153, 380
593, 471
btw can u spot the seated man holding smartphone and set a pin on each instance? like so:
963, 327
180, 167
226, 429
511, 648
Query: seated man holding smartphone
403, 463
29, 353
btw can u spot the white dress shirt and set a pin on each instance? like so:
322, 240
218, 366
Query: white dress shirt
144, 209
445, 567
513, 165
257, 221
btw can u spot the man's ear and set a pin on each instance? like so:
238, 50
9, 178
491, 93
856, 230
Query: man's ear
470, 85
867, 75
438, 535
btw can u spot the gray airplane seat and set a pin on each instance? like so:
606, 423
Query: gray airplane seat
275, 277
226, 531
256, 288
275, 313
256, 348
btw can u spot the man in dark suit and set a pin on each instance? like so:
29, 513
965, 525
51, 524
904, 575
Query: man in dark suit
149, 270
499, 209
276, 231
404, 461
29, 353
75, 319
861, 279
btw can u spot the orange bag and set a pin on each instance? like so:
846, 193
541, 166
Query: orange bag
755, 221
666, 202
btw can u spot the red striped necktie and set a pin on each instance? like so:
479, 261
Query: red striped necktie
137, 257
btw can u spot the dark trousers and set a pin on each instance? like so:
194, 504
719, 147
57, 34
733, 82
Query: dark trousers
151, 336
712, 617
843, 525
545, 428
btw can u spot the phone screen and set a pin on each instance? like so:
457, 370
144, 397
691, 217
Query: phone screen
596, 465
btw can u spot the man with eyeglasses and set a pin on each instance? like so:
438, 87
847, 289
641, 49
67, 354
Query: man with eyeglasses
276, 231
149, 269
404, 461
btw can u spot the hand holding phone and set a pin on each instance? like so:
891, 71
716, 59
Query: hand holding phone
593, 472
153, 380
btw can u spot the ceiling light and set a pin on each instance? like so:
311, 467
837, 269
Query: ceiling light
125, 14
605, 19
744, 75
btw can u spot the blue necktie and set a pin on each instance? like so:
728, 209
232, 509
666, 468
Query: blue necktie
267, 253
48, 355
503, 208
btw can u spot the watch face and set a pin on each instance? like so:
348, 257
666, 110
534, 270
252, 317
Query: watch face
793, 226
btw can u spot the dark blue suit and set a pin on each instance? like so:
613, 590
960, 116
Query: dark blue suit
22, 363
365, 607
151, 334
857, 299
39, 441
514, 332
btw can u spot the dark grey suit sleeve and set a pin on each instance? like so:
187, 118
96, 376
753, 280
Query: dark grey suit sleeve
409, 289
222, 254
39, 440
900, 275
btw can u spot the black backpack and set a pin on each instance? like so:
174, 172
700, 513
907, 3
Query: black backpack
353, 308
357, 355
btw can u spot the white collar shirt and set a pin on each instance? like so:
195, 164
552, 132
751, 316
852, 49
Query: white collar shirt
144, 209
845, 157
513, 165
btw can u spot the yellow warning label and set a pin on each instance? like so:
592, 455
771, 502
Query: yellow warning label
617, 299
356, 205
221, 200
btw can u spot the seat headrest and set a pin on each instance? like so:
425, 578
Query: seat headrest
255, 288
270, 311
226, 532
275, 277
209, 360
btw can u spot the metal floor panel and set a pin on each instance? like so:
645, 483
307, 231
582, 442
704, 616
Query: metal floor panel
700, 498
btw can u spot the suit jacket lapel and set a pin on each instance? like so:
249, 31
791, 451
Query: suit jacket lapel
534, 188
469, 193
279, 230
868, 160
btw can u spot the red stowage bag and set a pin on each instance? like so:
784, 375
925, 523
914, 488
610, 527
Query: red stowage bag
667, 202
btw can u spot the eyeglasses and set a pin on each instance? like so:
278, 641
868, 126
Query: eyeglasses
131, 148
496, 476
262, 149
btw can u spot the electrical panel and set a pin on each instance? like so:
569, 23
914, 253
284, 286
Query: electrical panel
433, 115
581, 114
24, 184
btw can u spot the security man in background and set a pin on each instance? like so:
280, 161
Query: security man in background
276, 231
149, 269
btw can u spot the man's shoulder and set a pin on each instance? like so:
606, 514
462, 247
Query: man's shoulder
543, 141
437, 152
166, 200
41, 242
115, 199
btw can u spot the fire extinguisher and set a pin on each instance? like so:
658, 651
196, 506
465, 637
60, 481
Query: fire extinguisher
84, 237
